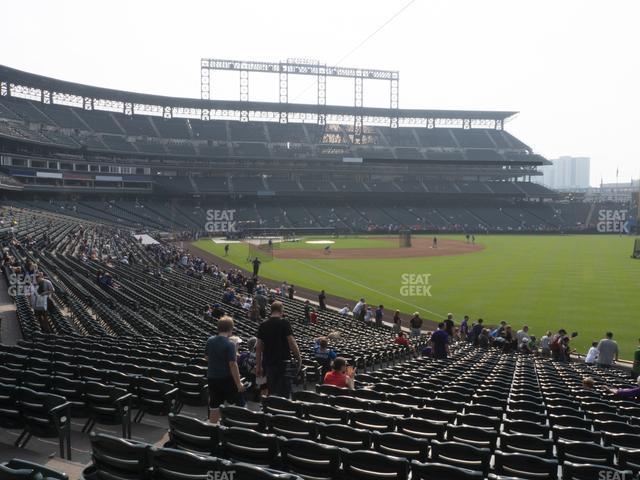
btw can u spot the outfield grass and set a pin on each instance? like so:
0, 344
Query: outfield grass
584, 283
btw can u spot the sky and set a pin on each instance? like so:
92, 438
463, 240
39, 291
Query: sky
571, 68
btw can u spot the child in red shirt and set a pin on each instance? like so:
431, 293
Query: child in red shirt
340, 375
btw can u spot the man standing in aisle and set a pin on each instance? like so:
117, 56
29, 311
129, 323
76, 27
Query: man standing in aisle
256, 266
322, 301
222, 371
275, 345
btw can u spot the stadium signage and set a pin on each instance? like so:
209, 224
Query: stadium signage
415, 285
610, 221
221, 221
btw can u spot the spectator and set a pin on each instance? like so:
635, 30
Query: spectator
476, 330
565, 351
358, 309
368, 315
344, 311
397, 322
592, 354
222, 370
588, 383
313, 316
273, 351
401, 339
416, 325
483, 339
520, 334
626, 392
449, 324
256, 266
555, 345
636, 361
291, 292
464, 328
322, 354
41, 304
254, 312
378, 315
307, 312
545, 345
510, 343
440, 342
322, 300
607, 351
340, 375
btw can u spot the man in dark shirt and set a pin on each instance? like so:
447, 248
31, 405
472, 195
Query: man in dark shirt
416, 325
379, 314
256, 266
222, 369
273, 351
307, 312
448, 325
476, 330
440, 342
322, 301
292, 291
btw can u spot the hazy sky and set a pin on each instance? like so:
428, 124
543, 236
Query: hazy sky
570, 67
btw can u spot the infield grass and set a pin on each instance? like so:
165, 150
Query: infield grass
583, 283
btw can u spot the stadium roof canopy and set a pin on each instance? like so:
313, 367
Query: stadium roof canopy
32, 82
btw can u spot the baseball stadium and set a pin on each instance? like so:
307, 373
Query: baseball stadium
138, 228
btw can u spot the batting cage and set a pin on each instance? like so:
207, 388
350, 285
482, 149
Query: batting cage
404, 238
263, 251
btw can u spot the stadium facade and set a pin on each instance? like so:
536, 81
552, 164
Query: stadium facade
282, 165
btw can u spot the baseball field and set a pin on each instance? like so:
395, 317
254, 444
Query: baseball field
583, 283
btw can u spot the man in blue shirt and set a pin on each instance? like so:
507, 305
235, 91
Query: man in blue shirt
440, 342
222, 369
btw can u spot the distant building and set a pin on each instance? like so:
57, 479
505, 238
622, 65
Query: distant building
566, 173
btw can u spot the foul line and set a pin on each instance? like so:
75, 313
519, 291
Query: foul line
368, 288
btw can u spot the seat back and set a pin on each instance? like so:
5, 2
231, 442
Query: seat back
171, 464
291, 427
281, 406
589, 471
344, 436
309, 458
400, 445
372, 421
190, 434
244, 445
368, 465
527, 444
232, 416
584, 452
118, 458
461, 454
525, 466
442, 471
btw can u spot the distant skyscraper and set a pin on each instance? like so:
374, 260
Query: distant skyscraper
566, 172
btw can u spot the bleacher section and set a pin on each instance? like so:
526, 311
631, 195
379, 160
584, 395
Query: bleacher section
124, 365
